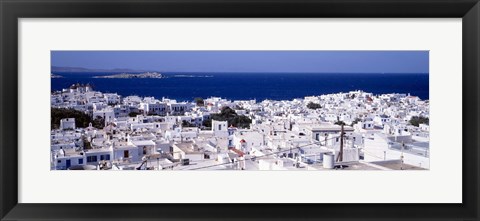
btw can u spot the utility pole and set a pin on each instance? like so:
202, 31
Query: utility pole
326, 136
401, 156
340, 154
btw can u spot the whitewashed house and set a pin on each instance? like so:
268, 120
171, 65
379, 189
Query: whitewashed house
67, 124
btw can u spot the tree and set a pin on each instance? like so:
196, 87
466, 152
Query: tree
229, 115
86, 144
416, 121
314, 106
81, 119
187, 124
56, 114
340, 123
355, 121
199, 101
133, 114
227, 112
207, 123
98, 122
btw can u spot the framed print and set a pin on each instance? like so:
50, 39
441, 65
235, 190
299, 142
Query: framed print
225, 110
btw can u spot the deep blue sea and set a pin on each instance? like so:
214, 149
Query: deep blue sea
242, 86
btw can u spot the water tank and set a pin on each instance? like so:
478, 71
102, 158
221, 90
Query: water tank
328, 160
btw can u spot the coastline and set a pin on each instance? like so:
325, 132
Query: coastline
252, 86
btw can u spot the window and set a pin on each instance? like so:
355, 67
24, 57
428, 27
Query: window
219, 127
91, 159
80, 161
102, 157
107, 157
59, 161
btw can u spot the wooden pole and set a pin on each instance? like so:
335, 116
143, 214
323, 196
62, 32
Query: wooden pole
340, 154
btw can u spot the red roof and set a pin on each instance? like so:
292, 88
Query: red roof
239, 152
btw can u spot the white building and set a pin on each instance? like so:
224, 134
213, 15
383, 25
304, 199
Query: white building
67, 124
220, 128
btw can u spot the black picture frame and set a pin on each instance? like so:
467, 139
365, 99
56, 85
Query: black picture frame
12, 10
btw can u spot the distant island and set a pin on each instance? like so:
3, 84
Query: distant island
129, 75
57, 69
55, 76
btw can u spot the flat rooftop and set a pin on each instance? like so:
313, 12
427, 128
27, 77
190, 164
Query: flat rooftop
189, 147
397, 165
143, 142
98, 150
352, 165
321, 127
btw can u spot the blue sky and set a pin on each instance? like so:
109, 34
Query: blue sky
249, 61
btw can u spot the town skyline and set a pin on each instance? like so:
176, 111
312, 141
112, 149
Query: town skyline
377, 132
